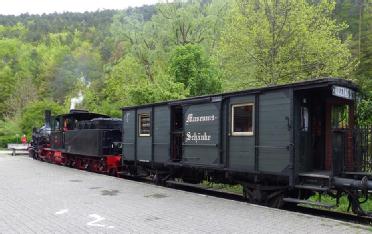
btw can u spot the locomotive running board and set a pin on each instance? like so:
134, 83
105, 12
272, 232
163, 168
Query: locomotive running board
306, 202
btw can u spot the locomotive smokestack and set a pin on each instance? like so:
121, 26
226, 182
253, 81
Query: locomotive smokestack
48, 118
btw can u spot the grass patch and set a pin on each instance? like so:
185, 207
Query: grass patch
344, 203
237, 188
342, 207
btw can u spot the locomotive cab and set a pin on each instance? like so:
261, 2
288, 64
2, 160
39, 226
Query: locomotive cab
68, 122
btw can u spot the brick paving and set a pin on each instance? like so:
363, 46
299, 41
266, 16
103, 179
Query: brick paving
37, 197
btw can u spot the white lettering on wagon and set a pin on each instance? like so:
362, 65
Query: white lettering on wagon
126, 117
343, 92
196, 119
197, 136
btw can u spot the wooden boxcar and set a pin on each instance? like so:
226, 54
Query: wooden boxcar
270, 140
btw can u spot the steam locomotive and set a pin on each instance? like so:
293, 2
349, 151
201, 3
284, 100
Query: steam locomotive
79, 139
282, 143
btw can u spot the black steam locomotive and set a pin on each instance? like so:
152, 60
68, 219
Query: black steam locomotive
79, 139
281, 143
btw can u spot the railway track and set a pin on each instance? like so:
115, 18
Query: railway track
197, 188
341, 216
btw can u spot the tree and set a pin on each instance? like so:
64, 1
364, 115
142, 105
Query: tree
185, 20
33, 115
189, 66
128, 72
164, 89
127, 84
15, 66
268, 42
363, 73
52, 53
7, 81
140, 38
9, 132
195, 22
25, 93
82, 63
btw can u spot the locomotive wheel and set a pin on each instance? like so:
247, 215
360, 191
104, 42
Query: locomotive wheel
113, 172
87, 167
31, 153
70, 163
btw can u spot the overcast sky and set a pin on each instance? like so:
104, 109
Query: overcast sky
17, 7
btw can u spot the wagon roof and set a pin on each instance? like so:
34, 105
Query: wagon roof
314, 83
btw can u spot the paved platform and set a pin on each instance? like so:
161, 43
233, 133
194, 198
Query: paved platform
37, 197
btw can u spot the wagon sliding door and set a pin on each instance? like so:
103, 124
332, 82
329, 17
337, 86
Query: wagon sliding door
275, 131
201, 144
161, 134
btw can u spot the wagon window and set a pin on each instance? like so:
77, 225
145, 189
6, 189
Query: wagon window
144, 124
242, 120
304, 119
340, 116
55, 124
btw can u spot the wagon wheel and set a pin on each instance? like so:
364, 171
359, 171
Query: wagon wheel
275, 199
246, 195
252, 195
156, 179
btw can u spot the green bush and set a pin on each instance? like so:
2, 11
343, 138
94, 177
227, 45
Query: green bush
190, 66
9, 132
33, 115
365, 111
